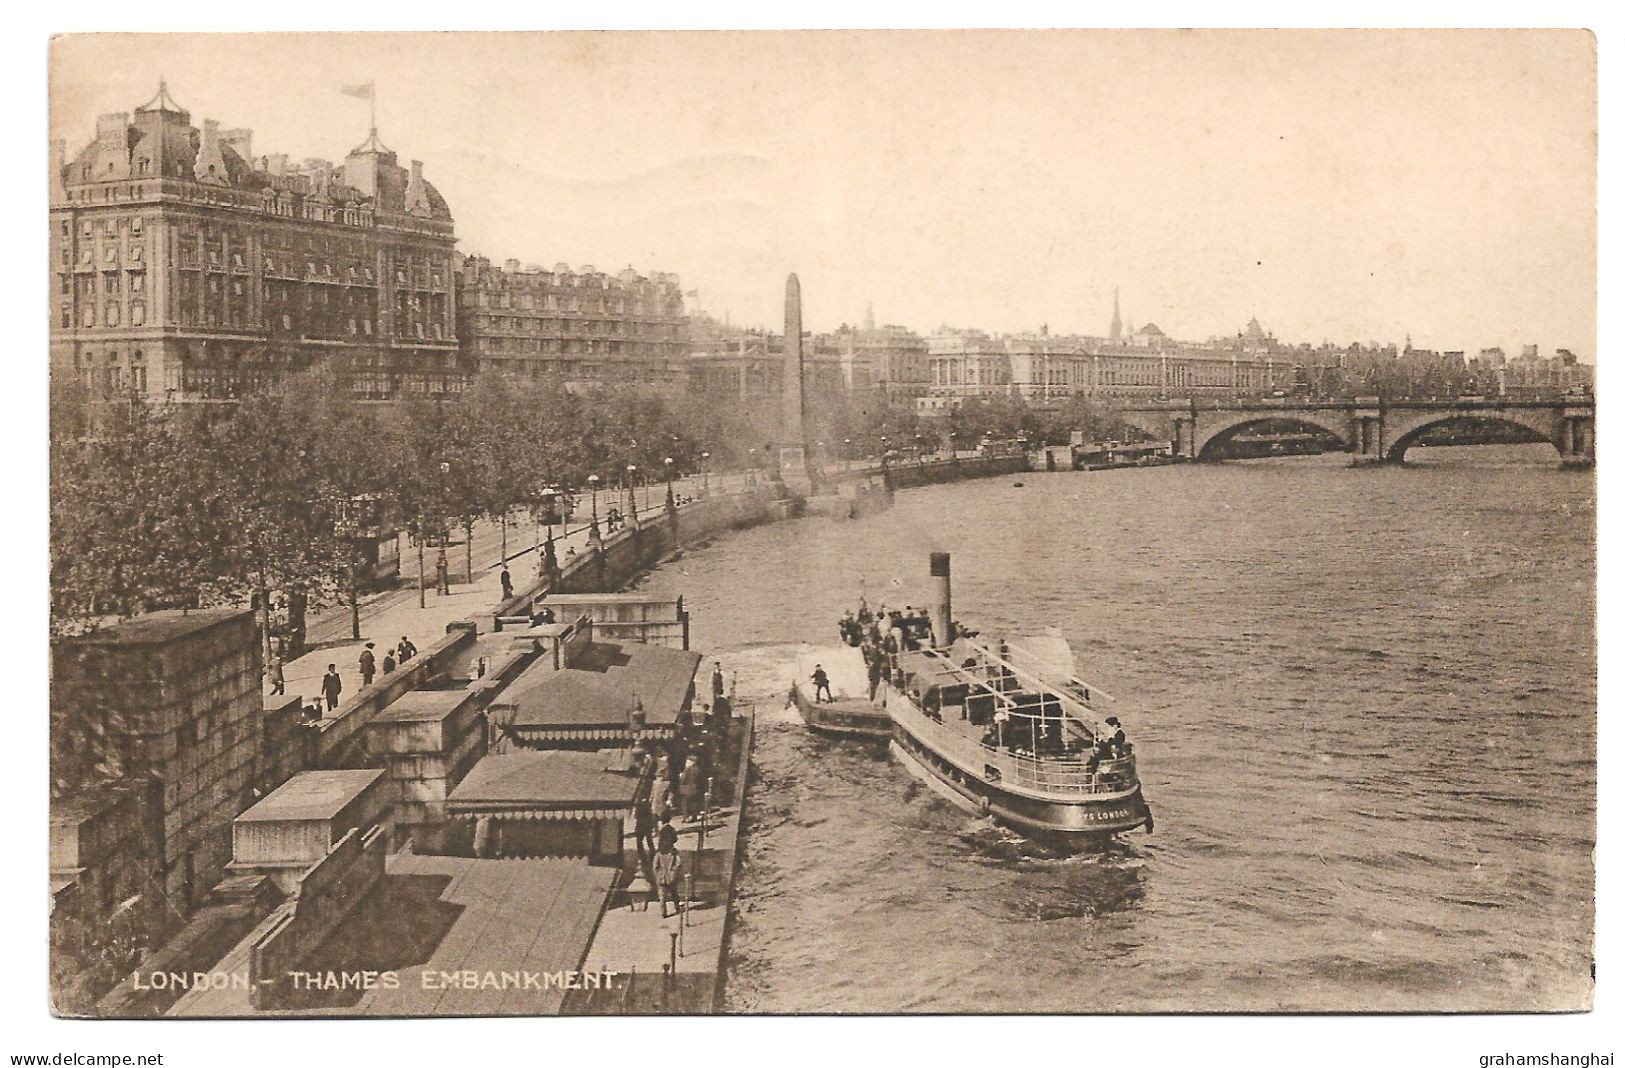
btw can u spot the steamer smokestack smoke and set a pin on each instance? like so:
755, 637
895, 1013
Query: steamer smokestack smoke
942, 602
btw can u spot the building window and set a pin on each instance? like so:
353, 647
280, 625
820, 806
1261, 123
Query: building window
110, 256
111, 318
67, 317
138, 314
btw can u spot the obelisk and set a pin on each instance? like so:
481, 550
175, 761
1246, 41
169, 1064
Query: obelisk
793, 470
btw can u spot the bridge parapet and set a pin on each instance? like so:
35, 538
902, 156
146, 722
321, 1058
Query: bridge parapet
1373, 431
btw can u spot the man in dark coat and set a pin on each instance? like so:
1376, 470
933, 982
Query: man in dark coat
332, 686
368, 664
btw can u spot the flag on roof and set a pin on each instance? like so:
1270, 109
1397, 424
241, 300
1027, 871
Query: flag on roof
362, 91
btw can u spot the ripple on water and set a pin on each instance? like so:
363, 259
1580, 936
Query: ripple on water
1343, 710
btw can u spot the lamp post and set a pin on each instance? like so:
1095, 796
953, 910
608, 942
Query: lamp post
705, 473
846, 454
349, 530
632, 493
546, 559
750, 469
671, 501
592, 480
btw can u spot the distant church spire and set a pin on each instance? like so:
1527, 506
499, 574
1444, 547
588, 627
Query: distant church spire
869, 316
1117, 316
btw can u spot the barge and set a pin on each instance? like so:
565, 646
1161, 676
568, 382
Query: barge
849, 712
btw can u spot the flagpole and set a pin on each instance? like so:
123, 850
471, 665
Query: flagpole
372, 104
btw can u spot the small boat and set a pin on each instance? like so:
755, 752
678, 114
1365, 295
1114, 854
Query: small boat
1003, 728
850, 713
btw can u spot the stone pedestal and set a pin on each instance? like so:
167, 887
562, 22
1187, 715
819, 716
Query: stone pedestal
793, 470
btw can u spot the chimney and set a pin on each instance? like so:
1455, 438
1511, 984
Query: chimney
240, 141
59, 161
112, 129
942, 603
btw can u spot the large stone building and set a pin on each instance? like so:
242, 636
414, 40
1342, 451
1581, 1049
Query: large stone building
185, 267
891, 360
1037, 367
576, 328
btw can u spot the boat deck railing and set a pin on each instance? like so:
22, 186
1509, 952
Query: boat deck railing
1056, 775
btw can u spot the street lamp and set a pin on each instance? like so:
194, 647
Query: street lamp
632, 491
750, 469
705, 473
548, 502
671, 502
846, 453
592, 480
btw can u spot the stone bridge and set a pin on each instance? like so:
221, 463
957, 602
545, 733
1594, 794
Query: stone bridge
1374, 431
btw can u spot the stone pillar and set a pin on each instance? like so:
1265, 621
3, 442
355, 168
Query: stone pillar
1576, 442
1367, 433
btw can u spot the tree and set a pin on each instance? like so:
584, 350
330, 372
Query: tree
137, 521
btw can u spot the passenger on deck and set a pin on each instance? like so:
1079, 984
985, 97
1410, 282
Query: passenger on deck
820, 682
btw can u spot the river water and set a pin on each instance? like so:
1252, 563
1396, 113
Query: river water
1364, 703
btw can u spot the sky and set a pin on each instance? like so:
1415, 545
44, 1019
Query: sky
1339, 185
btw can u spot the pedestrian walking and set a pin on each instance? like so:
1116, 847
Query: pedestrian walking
643, 824
368, 664
442, 572
332, 686
668, 868
716, 681
406, 650
691, 785
389, 661
507, 584
278, 682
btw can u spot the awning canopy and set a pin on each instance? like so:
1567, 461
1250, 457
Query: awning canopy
550, 781
602, 686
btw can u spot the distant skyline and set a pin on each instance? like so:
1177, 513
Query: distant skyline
1340, 186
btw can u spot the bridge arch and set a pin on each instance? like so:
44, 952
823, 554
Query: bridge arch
1404, 428
1212, 433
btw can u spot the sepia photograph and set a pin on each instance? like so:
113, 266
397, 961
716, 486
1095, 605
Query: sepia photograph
774, 522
